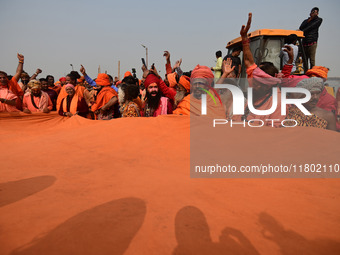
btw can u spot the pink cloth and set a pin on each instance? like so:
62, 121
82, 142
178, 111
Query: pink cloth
165, 107
69, 86
327, 102
164, 103
290, 80
9, 95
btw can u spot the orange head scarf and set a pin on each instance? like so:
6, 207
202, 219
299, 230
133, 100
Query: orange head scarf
318, 71
185, 82
81, 79
103, 80
57, 83
127, 74
172, 79
201, 72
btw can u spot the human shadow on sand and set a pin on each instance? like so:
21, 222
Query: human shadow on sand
291, 242
106, 229
14, 191
193, 236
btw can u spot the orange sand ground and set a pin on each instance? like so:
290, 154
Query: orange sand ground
76, 186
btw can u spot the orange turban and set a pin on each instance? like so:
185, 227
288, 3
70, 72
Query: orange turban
318, 71
127, 74
185, 82
201, 72
103, 80
151, 78
172, 79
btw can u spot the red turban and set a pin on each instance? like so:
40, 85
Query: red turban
103, 80
62, 79
201, 72
185, 82
318, 71
151, 78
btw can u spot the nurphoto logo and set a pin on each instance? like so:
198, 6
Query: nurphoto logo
238, 104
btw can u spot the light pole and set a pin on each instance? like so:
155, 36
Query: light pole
72, 67
146, 54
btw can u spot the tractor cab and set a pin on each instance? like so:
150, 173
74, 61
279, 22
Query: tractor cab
266, 45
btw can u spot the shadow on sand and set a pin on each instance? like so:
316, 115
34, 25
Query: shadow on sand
106, 229
193, 236
14, 191
291, 242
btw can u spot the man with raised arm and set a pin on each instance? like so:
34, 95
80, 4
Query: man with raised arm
106, 105
155, 104
10, 91
262, 79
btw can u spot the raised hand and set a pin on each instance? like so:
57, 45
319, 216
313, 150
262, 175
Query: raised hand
21, 57
177, 64
38, 71
290, 52
245, 29
82, 70
226, 66
154, 71
167, 55
144, 68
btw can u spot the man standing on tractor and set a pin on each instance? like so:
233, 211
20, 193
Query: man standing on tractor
310, 28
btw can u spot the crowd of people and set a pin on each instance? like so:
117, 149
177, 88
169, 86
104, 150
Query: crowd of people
105, 98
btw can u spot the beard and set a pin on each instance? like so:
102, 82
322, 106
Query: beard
36, 94
153, 99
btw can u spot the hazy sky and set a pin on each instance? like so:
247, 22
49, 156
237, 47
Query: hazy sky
54, 34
